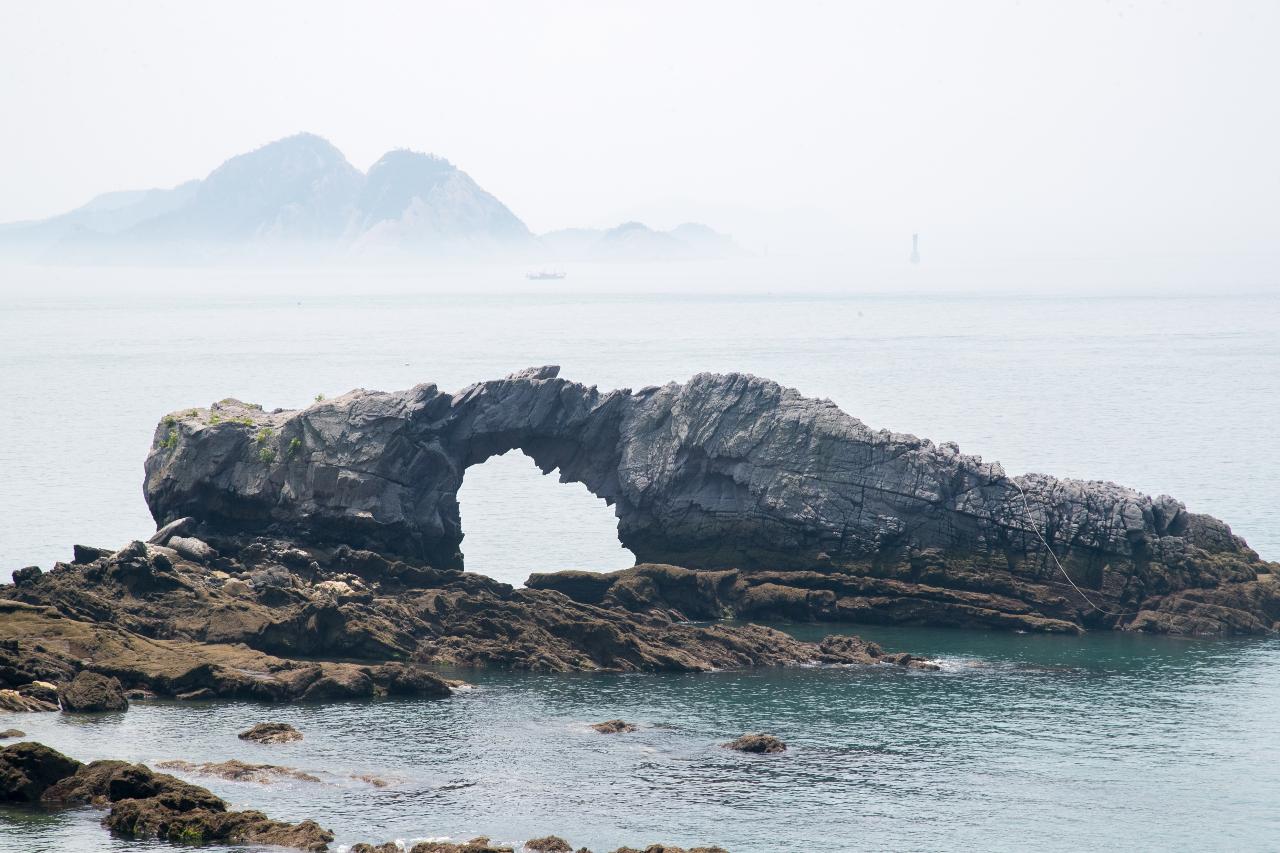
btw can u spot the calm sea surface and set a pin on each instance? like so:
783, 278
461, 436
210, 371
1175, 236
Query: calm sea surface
1099, 742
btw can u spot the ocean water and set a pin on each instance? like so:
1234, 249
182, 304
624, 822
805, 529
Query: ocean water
1022, 742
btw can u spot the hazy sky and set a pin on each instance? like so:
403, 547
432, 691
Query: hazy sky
1057, 130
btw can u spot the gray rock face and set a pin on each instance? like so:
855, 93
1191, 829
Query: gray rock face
722, 471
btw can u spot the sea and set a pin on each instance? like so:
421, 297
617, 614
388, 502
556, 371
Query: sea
1021, 742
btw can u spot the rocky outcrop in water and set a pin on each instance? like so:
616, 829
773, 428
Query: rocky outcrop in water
614, 727
757, 743
143, 804
239, 771
723, 472
271, 733
90, 692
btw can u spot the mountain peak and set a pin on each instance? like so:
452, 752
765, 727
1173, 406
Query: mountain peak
299, 196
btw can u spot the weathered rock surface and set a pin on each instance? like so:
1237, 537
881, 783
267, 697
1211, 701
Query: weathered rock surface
39, 644
91, 692
143, 804
268, 597
757, 742
613, 727
667, 848
13, 700
826, 596
724, 471
475, 845
28, 769
10, 734
271, 733
240, 771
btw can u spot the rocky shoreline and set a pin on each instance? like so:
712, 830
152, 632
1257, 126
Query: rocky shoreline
920, 593
273, 621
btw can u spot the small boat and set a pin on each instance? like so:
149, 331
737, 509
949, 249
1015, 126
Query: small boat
544, 275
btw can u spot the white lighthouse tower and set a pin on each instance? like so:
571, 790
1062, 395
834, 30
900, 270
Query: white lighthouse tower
915, 248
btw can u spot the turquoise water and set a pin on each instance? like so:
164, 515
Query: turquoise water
1022, 742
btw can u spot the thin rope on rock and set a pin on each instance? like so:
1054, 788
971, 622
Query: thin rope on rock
1036, 530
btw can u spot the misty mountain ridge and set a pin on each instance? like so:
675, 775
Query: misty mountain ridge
299, 196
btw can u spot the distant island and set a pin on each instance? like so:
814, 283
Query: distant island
300, 197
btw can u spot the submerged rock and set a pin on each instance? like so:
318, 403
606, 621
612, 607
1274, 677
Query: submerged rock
10, 734
757, 742
613, 727
271, 733
370, 779
91, 692
239, 771
667, 848
722, 472
475, 845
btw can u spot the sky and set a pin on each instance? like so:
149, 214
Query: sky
1069, 133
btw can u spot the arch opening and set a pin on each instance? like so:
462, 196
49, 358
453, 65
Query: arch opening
517, 521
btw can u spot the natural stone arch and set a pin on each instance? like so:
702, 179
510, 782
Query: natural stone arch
720, 471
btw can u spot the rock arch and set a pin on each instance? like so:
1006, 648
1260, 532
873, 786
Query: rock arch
722, 471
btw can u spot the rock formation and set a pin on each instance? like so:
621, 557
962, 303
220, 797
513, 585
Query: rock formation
269, 620
90, 692
239, 771
271, 733
40, 645
724, 472
614, 727
757, 742
142, 803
